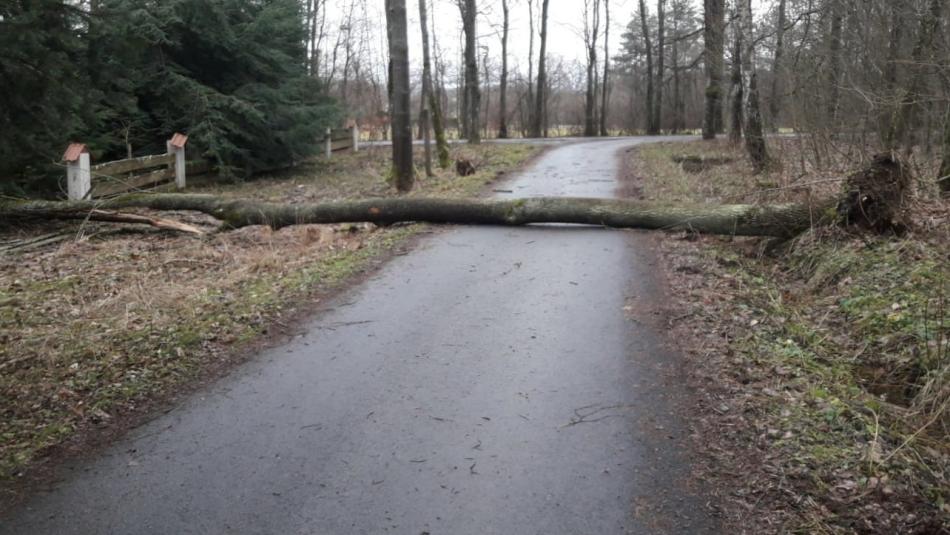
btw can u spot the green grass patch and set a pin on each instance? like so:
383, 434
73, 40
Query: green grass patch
850, 342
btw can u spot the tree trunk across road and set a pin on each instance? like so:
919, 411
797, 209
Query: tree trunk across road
781, 220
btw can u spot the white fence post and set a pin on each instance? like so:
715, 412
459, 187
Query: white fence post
356, 138
176, 146
78, 172
329, 143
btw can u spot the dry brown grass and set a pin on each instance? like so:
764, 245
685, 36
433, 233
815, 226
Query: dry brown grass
825, 357
108, 318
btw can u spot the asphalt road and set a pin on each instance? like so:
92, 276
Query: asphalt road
489, 382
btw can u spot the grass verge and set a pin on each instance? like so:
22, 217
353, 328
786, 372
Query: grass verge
823, 362
107, 320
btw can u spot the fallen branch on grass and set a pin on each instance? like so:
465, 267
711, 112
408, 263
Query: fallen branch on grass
157, 222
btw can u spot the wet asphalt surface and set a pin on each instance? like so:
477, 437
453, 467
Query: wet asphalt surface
491, 381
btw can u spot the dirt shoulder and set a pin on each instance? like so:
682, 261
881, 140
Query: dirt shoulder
821, 364
102, 325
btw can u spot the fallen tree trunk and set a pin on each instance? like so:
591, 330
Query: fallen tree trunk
781, 220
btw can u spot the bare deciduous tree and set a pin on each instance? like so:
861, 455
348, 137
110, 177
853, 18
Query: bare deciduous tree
429, 93
591, 31
775, 96
754, 135
605, 87
539, 128
652, 126
396, 30
660, 66
503, 89
473, 95
713, 36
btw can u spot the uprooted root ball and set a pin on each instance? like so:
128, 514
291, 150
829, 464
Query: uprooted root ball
876, 197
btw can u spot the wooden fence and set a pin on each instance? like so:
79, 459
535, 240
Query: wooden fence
109, 178
340, 139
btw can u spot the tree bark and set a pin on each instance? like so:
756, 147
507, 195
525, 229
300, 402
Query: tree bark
652, 127
745, 220
435, 107
660, 66
834, 61
775, 98
591, 29
472, 91
605, 96
943, 176
714, 13
754, 135
895, 39
539, 106
503, 89
399, 94
486, 72
527, 129
736, 91
908, 115
679, 106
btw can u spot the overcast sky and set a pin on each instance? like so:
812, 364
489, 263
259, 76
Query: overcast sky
565, 27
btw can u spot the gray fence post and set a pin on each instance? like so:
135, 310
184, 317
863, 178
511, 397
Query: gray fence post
78, 172
176, 146
356, 138
329, 143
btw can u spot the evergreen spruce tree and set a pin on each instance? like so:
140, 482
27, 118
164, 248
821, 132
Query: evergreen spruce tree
42, 86
123, 75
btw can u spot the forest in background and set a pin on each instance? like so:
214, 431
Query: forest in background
256, 83
123, 75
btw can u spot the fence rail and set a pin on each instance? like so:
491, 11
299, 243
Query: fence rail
340, 139
109, 178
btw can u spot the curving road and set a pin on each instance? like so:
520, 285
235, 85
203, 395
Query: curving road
488, 382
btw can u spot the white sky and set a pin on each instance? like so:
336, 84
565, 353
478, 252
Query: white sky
565, 27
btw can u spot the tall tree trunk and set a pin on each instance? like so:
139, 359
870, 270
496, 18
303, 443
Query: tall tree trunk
754, 135
311, 27
503, 89
736, 91
591, 29
605, 89
889, 121
678, 105
775, 98
472, 91
399, 94
487, 91
943, 176
462, 86
908, 116
539, 107
314, 63
425, 96
652, 127
714, 13
435, 106
832, 89
527, 129
660, 65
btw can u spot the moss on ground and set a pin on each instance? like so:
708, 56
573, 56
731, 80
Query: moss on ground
842, 343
